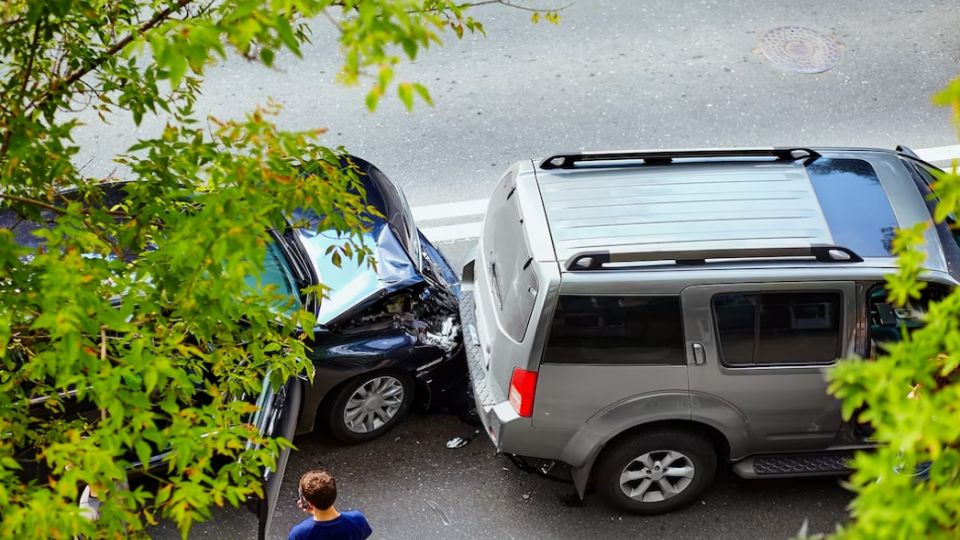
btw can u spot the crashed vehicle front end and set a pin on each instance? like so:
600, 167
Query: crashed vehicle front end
398, 317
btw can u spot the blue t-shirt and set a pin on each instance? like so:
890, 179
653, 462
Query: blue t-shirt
351, 525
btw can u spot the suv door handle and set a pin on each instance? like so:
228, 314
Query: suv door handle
699, 354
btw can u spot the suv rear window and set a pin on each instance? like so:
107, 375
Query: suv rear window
795, 328
855, 205
632, 330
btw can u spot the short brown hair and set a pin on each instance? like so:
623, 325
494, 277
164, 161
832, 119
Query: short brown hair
319, 489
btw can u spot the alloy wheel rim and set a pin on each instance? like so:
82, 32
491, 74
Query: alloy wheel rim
657, 476
373, 404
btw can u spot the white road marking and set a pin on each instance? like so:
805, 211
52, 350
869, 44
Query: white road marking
450, 233
449, 210
940, 153
478, 207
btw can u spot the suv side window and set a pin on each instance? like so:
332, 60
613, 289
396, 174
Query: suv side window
616, 330
929, 178
771, 329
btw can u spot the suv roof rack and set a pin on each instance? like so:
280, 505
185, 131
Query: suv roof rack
567, 160
906, 151
594, 260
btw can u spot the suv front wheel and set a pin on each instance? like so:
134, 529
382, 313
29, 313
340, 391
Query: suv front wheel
656, 472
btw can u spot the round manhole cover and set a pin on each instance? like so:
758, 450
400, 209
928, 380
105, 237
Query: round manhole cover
799, 49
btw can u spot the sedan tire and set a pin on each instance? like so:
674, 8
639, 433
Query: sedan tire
370, 405
656, 472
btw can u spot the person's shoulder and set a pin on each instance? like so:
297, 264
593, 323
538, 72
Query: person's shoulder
303, 527
354, 516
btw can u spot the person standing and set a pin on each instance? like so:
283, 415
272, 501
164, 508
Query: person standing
318, 492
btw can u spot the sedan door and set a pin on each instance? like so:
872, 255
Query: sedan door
278, 414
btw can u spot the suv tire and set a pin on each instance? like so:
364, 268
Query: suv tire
390, 391
663, 470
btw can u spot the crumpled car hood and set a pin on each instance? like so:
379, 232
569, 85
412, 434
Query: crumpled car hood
355, 286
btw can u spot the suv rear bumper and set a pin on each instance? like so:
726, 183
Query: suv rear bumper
509, 432
493, 416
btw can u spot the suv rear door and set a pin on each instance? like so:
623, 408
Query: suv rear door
621, 354
761, 354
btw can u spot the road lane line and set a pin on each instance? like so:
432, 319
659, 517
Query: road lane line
940, 153
450, 233
449, 210
477, 207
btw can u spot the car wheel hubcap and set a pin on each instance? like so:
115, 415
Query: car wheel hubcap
374, 404
657, 476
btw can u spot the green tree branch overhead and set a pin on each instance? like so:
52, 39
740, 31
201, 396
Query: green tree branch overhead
910, 394
150, 308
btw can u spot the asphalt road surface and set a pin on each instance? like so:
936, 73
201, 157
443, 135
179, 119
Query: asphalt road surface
394, 480
614, 74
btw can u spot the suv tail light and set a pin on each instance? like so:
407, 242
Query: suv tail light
523, 386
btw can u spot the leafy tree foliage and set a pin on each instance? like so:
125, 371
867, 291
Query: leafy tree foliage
182, 251
910, 394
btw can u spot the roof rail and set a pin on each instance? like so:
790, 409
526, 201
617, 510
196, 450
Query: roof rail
567, 160
594, 260
906, 151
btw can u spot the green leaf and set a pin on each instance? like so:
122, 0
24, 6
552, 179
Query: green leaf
423, 93
405, 91
177, 67
266, 55
143, 452
150, 378
371, 101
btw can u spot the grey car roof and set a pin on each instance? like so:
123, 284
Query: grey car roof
705, 206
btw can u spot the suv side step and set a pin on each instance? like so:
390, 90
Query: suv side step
795, 465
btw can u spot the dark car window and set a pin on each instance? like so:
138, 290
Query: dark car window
278, 275
23, 229
928, 177
632, 330
855, 205
793, 328
736, 319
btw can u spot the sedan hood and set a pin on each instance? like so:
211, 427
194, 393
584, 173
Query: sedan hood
355, 286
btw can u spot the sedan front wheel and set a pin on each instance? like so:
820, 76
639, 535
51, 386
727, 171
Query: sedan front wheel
370, 405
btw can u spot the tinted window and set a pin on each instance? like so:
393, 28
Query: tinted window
778, 328
736, 317
929, 178
638, 330
855, 206
23, 229
278, 276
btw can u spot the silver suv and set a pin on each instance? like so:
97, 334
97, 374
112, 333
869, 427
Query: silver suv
641, 315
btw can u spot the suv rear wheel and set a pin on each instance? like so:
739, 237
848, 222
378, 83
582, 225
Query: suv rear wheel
656, 472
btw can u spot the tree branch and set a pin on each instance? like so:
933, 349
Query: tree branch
507, 3
77, 74
23, 87
34, 202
